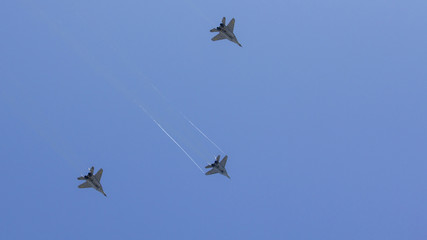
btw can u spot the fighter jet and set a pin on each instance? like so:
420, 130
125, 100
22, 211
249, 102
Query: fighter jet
93, 181
225, 32
218, 167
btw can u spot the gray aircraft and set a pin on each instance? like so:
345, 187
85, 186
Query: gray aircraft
92, 181
218, 167
225, 32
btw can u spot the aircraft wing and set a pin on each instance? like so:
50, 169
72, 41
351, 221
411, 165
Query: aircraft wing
224, 161
213, 171
230, 25
219, 36
85, 185
98, 175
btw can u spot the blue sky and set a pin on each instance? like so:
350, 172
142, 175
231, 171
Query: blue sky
322, 113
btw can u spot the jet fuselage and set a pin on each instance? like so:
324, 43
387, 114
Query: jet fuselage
221, 169
94, 183
228, 34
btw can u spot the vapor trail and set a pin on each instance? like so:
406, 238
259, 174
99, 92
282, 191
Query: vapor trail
160, 126
188, 120
200, 131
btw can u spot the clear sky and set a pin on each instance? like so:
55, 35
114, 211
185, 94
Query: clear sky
323, 113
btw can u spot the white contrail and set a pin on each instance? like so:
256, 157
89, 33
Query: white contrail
160, 126
188, 120
200, 131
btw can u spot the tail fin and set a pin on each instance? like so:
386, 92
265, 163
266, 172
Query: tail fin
223, 20
218, 158
80, 178
214, 30
208, 166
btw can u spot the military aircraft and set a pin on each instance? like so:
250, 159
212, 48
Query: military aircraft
218, 167
93, 181
225, 32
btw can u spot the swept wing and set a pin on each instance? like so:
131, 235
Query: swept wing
85, 185
213, 171
98, 175
224, 161
230, 25
219, 36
